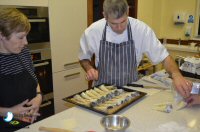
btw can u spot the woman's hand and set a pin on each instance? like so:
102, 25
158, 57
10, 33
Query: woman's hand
193, 100
35, 104
20, 110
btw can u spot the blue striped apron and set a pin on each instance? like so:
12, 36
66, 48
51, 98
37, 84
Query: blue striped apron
117, 62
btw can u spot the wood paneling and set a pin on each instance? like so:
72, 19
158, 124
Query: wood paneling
183, 42
90, 11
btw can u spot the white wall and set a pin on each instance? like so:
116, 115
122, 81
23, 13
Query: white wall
159, 14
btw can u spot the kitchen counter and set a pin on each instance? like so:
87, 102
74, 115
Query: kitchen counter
182, 50
186, 48
143, 118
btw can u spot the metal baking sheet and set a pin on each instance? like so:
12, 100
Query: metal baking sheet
110, 111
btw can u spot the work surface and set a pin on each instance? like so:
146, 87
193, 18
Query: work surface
143, 118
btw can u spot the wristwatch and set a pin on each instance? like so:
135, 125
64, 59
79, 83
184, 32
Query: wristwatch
39, 93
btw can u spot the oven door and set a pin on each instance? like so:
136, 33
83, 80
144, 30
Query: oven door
39, 30
43, 71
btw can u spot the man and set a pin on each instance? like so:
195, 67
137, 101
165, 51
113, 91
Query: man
119, 42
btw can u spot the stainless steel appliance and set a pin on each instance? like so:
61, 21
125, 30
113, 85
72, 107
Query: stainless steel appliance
38, 18
41, 57
43, 70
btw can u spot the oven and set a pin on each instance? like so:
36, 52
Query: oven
43, 70
38, 18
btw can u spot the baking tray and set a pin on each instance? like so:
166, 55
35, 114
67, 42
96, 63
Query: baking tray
112, 110
188, 74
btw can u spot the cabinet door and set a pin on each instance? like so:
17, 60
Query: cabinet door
67, 83
68, 20
25, 2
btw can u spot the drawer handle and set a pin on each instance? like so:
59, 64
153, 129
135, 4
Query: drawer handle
41, 64
72, 65
72, 76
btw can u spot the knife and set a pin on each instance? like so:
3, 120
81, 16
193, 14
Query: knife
142, 86
148, 81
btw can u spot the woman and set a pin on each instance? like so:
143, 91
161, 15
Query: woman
20, 91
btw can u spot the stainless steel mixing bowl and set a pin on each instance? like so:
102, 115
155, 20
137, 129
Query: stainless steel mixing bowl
115, 123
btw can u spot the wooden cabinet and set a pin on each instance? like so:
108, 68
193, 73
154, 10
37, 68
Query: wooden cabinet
95, 9
67, 83
68, 20
31, 3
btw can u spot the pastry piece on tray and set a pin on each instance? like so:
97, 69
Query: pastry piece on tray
105, 99
163, 107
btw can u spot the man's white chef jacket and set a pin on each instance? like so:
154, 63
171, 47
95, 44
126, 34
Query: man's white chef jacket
143, 36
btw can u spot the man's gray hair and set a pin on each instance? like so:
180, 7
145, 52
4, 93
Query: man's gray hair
115, 8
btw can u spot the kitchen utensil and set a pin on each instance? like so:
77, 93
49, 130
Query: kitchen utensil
49, 129
148, 81
142, 86
115, 123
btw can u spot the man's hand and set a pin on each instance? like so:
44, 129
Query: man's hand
182, 85
92, 74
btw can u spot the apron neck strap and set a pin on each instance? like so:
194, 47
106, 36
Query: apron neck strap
104, 32
130, 37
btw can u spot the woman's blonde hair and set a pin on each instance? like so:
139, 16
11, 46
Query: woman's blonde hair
12, 20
